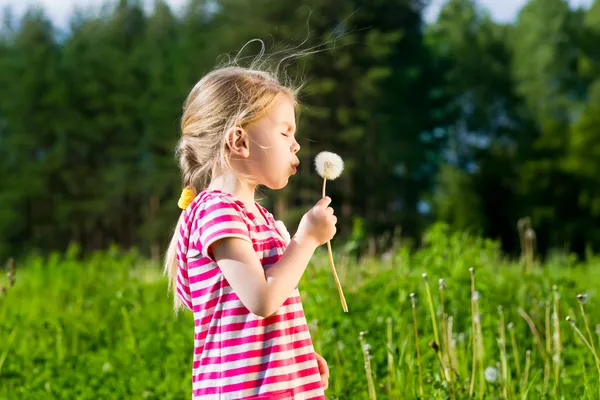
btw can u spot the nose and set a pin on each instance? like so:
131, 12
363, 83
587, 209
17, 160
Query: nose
295, 147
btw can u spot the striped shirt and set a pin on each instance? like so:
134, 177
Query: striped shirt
237, 354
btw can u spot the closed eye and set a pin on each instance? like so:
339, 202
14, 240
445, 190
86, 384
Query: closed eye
285, 134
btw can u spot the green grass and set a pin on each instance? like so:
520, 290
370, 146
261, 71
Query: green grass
103, 327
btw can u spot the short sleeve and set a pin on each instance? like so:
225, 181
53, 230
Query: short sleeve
219, 217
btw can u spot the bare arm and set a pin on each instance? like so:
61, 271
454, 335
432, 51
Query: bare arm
263, 292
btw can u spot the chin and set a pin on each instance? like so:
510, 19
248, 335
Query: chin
277, 185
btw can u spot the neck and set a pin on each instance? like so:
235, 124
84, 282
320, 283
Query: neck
230, 183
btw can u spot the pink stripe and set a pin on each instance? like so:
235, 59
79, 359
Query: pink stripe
272, 243
199, 262
267, 261
311, 386
257, 382
260, 337
183, 286
204, 275
222, 233
250, 369
183, 299
276, 348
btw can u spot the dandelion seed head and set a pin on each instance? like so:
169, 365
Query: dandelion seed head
582, 297
491, 374
329, 165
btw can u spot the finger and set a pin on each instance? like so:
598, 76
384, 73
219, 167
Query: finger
329, 211
334, 219
324, 202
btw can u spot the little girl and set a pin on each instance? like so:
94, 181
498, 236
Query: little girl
229, 261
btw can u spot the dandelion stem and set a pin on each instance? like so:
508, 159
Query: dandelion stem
502, 344
335, 276
589, 332
583, 338
414, 310
368, 370
473, 333
391, 368
526, 375
556, 341
446, 341
436, 349
536, 335
548, 351
431, 309
515, 349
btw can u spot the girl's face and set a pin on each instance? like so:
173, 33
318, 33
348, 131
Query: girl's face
273, 146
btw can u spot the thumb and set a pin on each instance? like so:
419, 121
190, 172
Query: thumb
324, 202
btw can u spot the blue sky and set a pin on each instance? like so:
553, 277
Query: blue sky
59, 10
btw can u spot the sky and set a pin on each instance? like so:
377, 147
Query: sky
60, 10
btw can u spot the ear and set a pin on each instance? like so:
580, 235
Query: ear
238, 142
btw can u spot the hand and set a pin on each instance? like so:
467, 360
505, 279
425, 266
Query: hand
318, 224
323, 370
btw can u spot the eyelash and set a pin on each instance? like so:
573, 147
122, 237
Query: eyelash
285, 134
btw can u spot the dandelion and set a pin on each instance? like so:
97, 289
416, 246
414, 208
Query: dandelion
330, 166
367, 356
582, 337
106, 367
491, 374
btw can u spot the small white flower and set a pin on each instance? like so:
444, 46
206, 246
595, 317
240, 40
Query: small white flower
283, 231
366, 347
106, 367
491, 374
329, 165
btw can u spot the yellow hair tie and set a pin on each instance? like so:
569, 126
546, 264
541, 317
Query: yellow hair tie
187, 196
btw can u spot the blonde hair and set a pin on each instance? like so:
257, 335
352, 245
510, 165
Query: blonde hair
223, 99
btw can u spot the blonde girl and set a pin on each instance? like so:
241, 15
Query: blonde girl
229, 261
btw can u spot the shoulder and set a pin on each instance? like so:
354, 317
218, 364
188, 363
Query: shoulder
209, 201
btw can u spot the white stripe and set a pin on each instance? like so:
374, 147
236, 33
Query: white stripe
310, 393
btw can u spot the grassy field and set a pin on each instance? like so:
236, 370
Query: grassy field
102, 328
